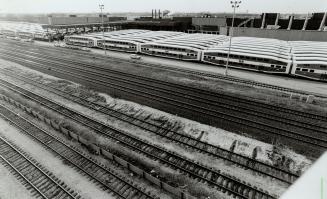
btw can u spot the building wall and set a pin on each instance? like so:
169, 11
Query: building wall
209, 21
82, 20
288, 35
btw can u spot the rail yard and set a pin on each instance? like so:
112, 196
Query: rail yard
85, 118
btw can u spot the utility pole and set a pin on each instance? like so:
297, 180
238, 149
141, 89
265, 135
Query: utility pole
235, 4
101, 6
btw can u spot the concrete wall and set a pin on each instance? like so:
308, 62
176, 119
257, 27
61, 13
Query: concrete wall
209, 21
30, 19
288, 35
62, 20
82, 20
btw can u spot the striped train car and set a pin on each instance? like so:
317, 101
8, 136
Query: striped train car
250, 53
132, 42
81, 40
24, 30
184, 47
309, 59
94, 39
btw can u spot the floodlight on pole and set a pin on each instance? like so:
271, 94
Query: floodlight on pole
235, 4
101, 6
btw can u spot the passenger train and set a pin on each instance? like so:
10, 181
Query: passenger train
184, 47
309, 59
258, 54
24, 31
296, 58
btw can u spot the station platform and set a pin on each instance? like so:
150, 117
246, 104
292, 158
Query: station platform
312, 184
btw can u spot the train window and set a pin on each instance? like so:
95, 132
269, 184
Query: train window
323, 66
284, 67
298, 69
272, 65
278, 67
312, 71
304, 69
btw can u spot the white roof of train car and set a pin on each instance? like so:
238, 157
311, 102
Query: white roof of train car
255, 47
23, 27
190, 41
309, 52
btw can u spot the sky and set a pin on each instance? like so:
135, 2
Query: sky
82, 6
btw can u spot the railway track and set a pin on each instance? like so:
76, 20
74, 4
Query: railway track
106, 178
220, 98
185, 71
172, 134
196, 170
32, 175
316, 137
280, 109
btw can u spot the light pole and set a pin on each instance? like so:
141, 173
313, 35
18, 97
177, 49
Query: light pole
235, 4
101, 6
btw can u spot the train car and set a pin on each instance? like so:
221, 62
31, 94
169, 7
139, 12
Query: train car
309, 59
184, 46
9, 33
41, 36
132, 41
79, 40
95, 39
25, 31
118, 44
25, 35
250, 53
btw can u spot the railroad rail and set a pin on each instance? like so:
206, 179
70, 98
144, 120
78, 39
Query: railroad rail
33, 175
315, 137
214, 95
102, 175
171, 133
199, 171
233, 79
